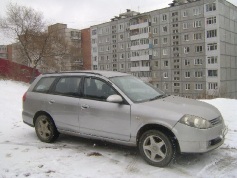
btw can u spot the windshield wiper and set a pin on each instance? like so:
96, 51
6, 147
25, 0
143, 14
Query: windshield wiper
157, 97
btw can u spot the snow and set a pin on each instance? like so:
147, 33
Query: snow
23, 155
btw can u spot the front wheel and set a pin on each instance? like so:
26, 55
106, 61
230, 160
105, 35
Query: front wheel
45, 129
156, 148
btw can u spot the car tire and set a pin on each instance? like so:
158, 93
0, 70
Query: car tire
156, 148
46, 129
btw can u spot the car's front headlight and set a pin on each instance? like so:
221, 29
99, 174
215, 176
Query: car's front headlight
195, 121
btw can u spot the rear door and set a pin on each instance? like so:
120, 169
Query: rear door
99, 117
63, 103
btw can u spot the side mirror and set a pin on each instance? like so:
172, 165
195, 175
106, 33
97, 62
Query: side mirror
114, 99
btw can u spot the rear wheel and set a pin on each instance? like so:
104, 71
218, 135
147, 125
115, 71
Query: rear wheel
46, 129
156, 148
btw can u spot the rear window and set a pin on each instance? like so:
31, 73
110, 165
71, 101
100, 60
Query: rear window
44, 84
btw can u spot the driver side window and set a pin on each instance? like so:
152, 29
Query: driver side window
97, 89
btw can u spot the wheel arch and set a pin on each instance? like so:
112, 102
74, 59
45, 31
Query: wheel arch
37, 114
161, 128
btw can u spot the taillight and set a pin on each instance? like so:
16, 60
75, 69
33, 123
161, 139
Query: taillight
24, 97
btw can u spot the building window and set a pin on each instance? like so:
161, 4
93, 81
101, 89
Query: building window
176, 84
95, 58
121, 66
210, 7
187, 74
212, 59
197, 23
197, 36
165, 86
198, 86
212, 46
186, 37
174, 14
197, 61
186, 50
198, 74
186, 62
93, 32
165, 40
165, 29
165, 74
155, 53
176, 31
94, 67
155, 41
196, 11
94, 49
156, 63
176, 78
121, 27
185, 13
93, 41
165, 51
211, 20
211, 33
155, 30
185, 25
164, 17
166, 63
212, 73
154, 20
212, 86
187, 86
198, 49
175, 25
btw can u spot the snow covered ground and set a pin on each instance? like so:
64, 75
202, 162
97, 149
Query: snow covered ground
23, 155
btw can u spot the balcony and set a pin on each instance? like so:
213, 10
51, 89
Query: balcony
139, 36
140, 68
140, 58
139, 47
140, 25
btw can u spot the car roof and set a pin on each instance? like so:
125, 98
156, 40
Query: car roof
106, 74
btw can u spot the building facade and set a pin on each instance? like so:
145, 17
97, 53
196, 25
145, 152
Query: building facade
187, 49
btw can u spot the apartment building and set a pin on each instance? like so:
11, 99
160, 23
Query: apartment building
73, 60
187, 49
3, 51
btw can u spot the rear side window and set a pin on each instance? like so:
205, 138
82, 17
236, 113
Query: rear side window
68, 86
44, 84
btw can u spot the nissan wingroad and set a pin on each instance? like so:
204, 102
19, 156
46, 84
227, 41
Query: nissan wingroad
122, 109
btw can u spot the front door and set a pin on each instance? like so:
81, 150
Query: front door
99, 117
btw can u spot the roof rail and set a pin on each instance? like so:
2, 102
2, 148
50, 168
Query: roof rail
80, 71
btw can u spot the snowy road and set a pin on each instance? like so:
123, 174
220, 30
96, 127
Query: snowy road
23, 155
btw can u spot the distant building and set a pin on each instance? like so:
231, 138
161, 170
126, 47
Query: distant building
187, 49
3, 51
72, 60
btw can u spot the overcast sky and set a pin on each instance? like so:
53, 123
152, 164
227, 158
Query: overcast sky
84, 13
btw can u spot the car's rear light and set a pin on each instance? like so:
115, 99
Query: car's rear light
24, 97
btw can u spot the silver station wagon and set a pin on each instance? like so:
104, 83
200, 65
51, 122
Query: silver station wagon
121, 108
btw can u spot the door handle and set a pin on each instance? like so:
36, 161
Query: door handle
85, 106
51, 101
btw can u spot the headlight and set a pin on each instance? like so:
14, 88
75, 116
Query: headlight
195, 121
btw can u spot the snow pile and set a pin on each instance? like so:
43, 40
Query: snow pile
23, 155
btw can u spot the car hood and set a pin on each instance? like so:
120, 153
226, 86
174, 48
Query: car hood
169, 110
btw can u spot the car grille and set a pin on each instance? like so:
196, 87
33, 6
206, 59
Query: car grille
216, 121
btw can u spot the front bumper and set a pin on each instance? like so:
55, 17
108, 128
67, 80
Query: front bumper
193, 140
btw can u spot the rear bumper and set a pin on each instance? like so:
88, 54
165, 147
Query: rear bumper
27, 119
193, 140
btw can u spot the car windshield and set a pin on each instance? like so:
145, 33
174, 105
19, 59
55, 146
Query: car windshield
137, 90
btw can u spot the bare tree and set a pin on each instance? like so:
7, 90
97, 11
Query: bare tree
36, 43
